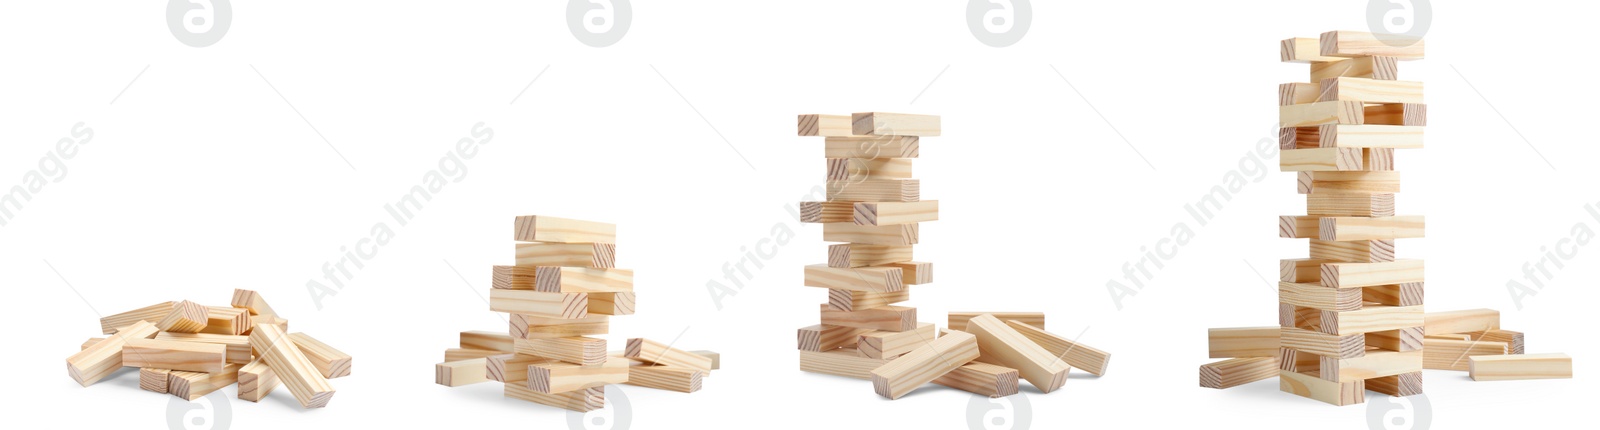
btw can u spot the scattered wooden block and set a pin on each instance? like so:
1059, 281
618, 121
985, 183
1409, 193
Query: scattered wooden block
1370, 90
850, 255
825, 125
846, 231
462, 372
1405, 384
596, 255
584, 400
844, 362
536, 327
1513, 339
827, 212
820, 338
716, 359
1073, 353
154, 380
331, 362
1374, 364
1375, 67
511, 368
1002, 345
653, 352
923, 365
228, 321
846, 169
256, 380
1462, 321
153, 313
1364, 44
541, 304
237, 347
1237, 371
1345, 204
865, 279
1242, 342
958, 320
1345, 229
1520, 367
577, 350
461, 354
894, 124
886, 344
537, 228
983, 379
174, 355
94, 363
291, 366
886, 318
1321, 159
1440, 354
557, 377
664, 377
185, 317
875, 190
252, 301
1312, 387
194, 385
859, 300
893, 213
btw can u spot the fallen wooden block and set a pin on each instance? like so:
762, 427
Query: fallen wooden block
596, 255
1520, 367
256, 380
899, 377
1440, 354
238, 347
462, 372
535, 327
185, 317
892, 213
653, 352
584, 400
821, 338
1002, 345
154, 380
885, 344
1072, 353
194, 385
664, 377
861, 300
844, 362
1513, 339
538, 228
577, 350
541, 304
1312, 387
252, 301
894, 124
851, 255
228, 321
1237, 371
174, 355
875, 190
153, 314
331, 362
886, 318
872, 147
292, 367
1462, 321
845, 169
847, 231
866, 279
914, 272
825, 125
511, 368
87, 343
1382, 228
958, 320
557, 377
983, 379
486, 340
94, 363
716, 359
1364, 44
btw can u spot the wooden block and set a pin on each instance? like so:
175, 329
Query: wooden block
1370, 318
914, 272
1462, 321
822, 338
663, 377
983, 379
90, 342
228, 321
1513, 339
535, 327
1406, 114
153, 313
1345, 204
1370, 90
1403, 340
174, 355
1319, 296
256, 380
1369, 136
841, 362
1299, 226
1349, 182
1345, 229
154, 380
1364, 44
1299, 361
577, 350
486, 340
252, 300
1298, 137
1405, 384
894, 124
958, 320
856, 300
94, 363
1407, 294
653, 352
716, 359
825, 125
541, 304
184, 317
1309, 114
1450, 336
1520, 367
1321, 159
512, 368
1379, 159
887, 344
331, 362
535, 228
1297, 93
1000, 344
585, 400
238, 347
848, 255
282, 324
1440, 354
581, 280
893, 213
1360, 251
1351, 346
904, 234
865, 279
1312, 387
1349, 275
1241, 342
1237, 371
924, 364
461, 372
461, 354
875, 190
1373, 365
194, 385
595, 255
1072, 353
612, 303
827, 212
850, 169
292, 367
1303, 50
557, 377
1300, 270
872, 147
1381, 68
887, 318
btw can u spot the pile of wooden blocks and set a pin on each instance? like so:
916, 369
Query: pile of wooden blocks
874, 208
190, 350
1351, 316
564, 287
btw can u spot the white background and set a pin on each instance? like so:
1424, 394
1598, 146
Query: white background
200, 178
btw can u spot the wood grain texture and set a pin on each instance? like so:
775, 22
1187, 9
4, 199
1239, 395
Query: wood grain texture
1378, 159
542, 304
1349, 275
487, 341
174, 355
928, 362
1360, 251
1001, 344
227, 320
857, 300
849, 255
1324, 344
824, 125
848, 231
1373, 365
1300, 270
1406, 114
153, 314
1405, 384
539, 228
1321, 160
552, 279
653, 352
292, 367
851, 169
842, 362
716, 358
1345, 204
596, 255
894, 124
622, 303
827, 212
154, 380
958, 320
1299, 226
1370, 90
1345, 229
462, 372
875, 190
1319, 296
557, 377
238, 347
535, 327
459, 354
1315, 388
1369, 136
1407, 294
1073, 353
1513, 339
1303, 50
983, 379
821, 338
576, 350
865, 279
256, 380
887, 344
664, 377
1462, 321
1441, 354
914, 272
872, 147
1294, 93
184, 317
1520, 367
1237, 371
1242, 342
1370, 318
328, 360
194, 385
585, 400
511, 368
94, 363
1309, 114
1364, 44
253, 301
1290, 359
886, 318
1363, 182
892, 213
1374, 67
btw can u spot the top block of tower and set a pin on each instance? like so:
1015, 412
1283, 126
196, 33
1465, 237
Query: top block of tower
894, 124
1363, 44
824, 125
538, 228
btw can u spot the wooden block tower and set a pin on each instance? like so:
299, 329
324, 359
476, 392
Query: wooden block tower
1350, 316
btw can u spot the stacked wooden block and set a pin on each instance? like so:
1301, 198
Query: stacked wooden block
562, 291
190, 350
873, 208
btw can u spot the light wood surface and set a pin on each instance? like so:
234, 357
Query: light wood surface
1349, 182
859, 300
894, 124
487, 340
1462, 321
292, 367
557, 377
825, 125
1315, 388
1074, 353
653, 352
535, 327
1309, 114
238, 347
576, 350
541, 304
983, 379
185, 317
1319, 296
842, 362
1364, 44
94, 363
1002, 345
584, 400
865, 279
827, 212
1405, 384
1370, 318
154, 380
174, 355
664, 377
1370, 90
845, 231
1314, 342
849, 255
1346, 229
539, 228
958, 320
1242, 342
820, 338
1345, 204
875, 190
1359, 251
1234, 372
886, 318
1441, 354
1321, 160
227, 320
885, 344
512, 368
253, 301
331, 362
1374, 67
1520, 367
914, 272
463, 372
892, 213
928, 362
193, 385
1374, 364
872, 147
1303, 50
256, 380
596, 255
845, 169
153, 314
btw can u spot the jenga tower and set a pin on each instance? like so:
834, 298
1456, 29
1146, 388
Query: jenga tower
1351, 315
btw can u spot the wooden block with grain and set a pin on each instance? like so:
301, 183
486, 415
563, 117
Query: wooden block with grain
238, 347
875, 190
251, 300
1364, 44
94, 363
1074, 353
887, 344
1303, 50
584, 400
558, 377
844, 362
1520, 367
1367, 90
1360, 251
619, 303
1319, 297
1461, 321
827, 212
1243, 342
154, 380
865, 279
851, 255
892, 213
331, 362
536, 327
1315, 388
859, 300
1349, 275
227, 320
1003, 345
185, 317
256, 380
1373, 365
461, 372
194, 385
292, 367
825, 125
653, 352
1441, 354
664, 377
848, 169
1314, 342
872, 147
1319, 113
1350, 205
580, 254
894, 124
928, 362
821, 338
1370, 67
577, 350
885, 318
1405, 384
174, 355
153, 314
1321, 160
1234, 372
914, 272
958, 320
511, 368
541, 304
847, 231
983, 379
538, 228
